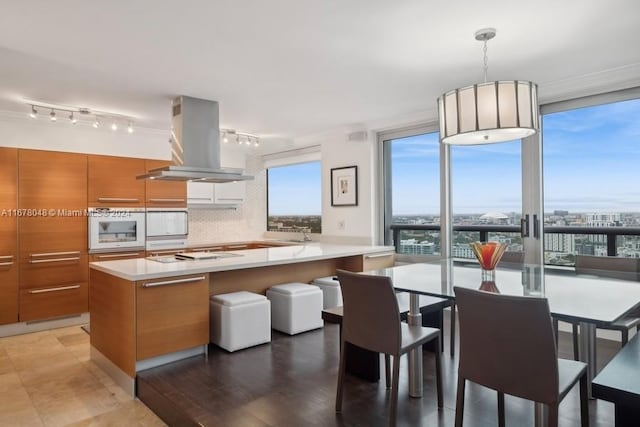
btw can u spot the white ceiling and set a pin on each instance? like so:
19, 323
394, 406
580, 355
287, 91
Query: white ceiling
284, 69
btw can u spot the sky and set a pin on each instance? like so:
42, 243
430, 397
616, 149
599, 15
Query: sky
295, 189
591, 163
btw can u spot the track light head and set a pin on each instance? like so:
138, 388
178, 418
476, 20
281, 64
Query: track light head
34, 113
52, 115
130, 128
96, 123
72, 118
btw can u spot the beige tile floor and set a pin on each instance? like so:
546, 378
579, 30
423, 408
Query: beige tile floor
47, 379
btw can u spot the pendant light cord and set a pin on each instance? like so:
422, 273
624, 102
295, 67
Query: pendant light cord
486, 61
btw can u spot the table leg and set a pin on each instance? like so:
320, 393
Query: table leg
415, 356
587, 351
540, 418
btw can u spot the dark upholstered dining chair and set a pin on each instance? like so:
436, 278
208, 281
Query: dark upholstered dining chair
507, 344
614, 268
371, 320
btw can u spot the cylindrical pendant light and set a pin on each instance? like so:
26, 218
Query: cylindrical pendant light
488, 112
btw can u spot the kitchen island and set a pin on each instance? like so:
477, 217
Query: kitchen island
148, 312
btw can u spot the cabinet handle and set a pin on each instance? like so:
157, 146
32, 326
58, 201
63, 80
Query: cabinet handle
166, 252
118, 199
117, 255
173, 282
55, 254
378, 255
59, 288
211, 249
231, 198
199, 198
42, 261
166, 200
4, 264
6, 256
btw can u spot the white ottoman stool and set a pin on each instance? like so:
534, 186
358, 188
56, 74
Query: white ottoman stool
331, 293
296, 307
239, 320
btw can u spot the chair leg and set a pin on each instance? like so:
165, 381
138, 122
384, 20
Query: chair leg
625, 337
387, 370
556, 329
584, 401
452, 333
501, 409
394, 390
552, 410
460, 402
574, 332
340, 379
439, 375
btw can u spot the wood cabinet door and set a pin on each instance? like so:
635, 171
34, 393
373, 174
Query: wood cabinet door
53, 301
52, 200
378, 261
172, 314
113, 183
116, 256
160, 194
8, 235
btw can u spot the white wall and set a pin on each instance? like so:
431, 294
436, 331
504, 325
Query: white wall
42, 134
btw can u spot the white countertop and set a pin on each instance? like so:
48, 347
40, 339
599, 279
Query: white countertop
143, 269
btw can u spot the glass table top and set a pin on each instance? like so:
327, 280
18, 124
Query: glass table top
574, 297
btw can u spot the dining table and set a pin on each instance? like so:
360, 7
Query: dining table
587, 299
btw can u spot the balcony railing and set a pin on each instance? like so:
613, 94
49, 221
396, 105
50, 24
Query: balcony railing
610, 233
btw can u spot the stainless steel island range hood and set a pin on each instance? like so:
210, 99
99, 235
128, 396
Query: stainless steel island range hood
195, 145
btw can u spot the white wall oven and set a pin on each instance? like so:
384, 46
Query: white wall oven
112, 229
167, 228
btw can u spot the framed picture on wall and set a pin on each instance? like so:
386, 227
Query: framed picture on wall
344, 186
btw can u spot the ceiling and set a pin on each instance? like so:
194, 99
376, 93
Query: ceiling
286, 69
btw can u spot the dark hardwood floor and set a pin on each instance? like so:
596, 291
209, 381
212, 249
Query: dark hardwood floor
291, 382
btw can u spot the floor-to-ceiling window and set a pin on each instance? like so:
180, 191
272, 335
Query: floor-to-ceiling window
591, 175
487, 191
412, 190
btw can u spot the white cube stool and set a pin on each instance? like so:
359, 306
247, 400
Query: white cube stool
296, 307
239, 320
331, 293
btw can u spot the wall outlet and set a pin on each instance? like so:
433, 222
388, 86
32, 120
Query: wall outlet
341, 225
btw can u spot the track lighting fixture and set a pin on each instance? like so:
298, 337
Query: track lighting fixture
240, 138
117, 120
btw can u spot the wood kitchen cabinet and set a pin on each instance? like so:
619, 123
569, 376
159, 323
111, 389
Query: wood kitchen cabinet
112, 181
52, 234
172, 314
8, 235
164, 194
116, 256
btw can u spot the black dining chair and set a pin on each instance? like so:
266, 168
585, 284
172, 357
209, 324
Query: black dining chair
614, 268
371, 320
507, 344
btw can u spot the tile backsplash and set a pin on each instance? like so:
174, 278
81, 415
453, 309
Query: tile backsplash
248, 221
